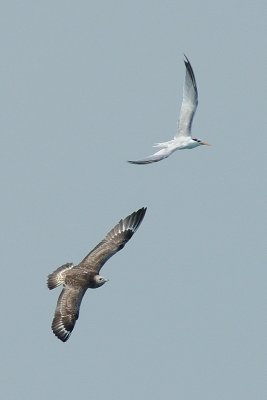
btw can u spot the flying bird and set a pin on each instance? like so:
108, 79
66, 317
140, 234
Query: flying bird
182, 139
76, 279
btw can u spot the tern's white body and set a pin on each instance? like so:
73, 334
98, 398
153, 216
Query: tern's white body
183, 139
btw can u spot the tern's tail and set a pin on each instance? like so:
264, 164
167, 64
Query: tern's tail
162, 145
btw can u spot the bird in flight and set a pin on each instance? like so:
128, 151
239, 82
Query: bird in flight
182, 139
76, 279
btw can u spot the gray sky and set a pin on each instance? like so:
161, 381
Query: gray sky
84, 87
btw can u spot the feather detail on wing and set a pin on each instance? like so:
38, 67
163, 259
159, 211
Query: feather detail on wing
67, 311
189, 103
114, 241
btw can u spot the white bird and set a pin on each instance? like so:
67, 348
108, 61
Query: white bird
182, 139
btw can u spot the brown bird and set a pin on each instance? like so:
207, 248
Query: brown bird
76, 279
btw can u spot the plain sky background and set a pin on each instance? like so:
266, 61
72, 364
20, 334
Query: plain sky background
86, 85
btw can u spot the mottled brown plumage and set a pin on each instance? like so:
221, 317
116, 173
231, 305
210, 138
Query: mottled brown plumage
77, 279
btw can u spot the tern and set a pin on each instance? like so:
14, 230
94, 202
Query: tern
76, 279
182, 139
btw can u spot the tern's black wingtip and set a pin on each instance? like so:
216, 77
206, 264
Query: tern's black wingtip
137, 162
186, 61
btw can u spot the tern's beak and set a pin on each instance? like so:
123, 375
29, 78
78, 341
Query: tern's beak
206, 143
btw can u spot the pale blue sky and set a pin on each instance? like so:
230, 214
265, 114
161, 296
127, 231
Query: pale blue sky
85, 86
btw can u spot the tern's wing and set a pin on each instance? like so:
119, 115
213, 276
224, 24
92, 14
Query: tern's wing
158, 156
67, 311
114, 241
189, 103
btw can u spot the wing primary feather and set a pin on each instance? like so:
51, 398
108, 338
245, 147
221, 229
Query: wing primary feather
114, 241
191, 72
67, 311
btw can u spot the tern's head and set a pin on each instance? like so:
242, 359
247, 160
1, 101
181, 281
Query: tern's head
99, 280
200, 142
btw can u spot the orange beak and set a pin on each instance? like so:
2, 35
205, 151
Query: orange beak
206, 143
